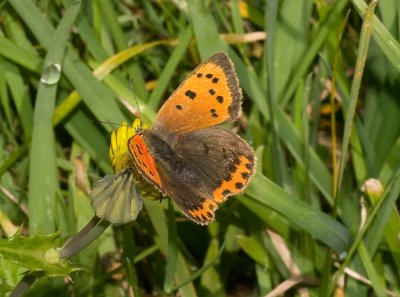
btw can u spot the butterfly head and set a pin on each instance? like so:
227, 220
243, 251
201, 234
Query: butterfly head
139, 126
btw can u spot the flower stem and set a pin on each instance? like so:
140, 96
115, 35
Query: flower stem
83, 238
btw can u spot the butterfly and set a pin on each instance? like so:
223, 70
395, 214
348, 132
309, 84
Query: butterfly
186, 154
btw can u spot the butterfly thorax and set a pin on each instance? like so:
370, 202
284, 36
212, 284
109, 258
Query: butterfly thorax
167, 159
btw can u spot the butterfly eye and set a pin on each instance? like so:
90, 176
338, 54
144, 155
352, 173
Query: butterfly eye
139, 126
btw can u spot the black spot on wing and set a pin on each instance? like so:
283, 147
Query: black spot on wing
213, 113
226, 192
232, 168
139, 150
236, 161
227, 177
190, 94
245, 175
239, 186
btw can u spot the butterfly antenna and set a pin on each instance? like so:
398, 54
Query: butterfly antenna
136, 101
105, 122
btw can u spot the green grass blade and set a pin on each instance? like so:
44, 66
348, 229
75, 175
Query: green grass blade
20, 97
200, 271
129, 252
355, 86
3, 92
272, 14
211, 279
371, 271
317, 223
170, 68
200, 15
312, 50
43, 183
289, 50
90, 139
172, 252
19, 55
111, 22
388, 44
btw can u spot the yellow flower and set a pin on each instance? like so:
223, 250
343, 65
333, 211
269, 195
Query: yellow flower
119, 154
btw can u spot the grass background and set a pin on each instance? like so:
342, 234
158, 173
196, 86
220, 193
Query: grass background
307, 225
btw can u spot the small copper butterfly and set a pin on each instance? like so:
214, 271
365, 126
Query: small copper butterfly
186, 155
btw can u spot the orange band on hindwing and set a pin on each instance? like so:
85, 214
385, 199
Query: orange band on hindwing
236, 179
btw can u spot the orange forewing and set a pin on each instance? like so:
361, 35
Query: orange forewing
208, 97
144, 161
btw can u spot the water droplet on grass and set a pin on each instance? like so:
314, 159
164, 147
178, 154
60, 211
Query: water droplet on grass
51, 74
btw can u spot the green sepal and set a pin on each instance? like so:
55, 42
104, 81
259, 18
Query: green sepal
116, 198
